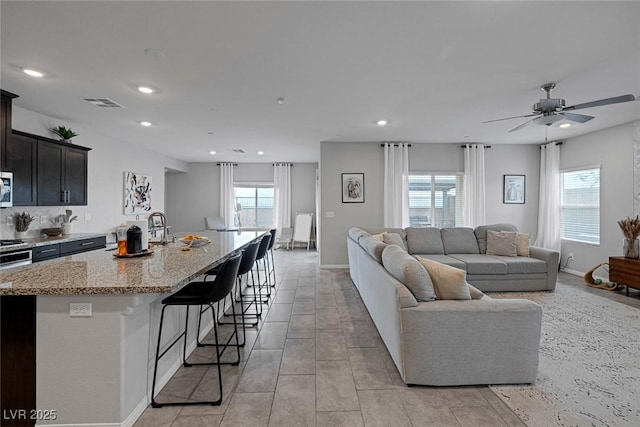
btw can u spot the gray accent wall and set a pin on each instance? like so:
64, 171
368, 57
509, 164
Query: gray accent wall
368, 157
613, 149
193, 195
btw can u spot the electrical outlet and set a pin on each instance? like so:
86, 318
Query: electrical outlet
331, 214
10, 220
570, 255
87, 217
80, 309
43, 219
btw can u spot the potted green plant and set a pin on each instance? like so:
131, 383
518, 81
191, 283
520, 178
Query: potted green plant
63, 132
23, 220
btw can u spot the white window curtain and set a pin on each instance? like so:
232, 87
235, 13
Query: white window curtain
549, 204
396, 185
227, 201
473, 206
282, 196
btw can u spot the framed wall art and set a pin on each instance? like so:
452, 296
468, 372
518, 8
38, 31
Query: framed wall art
353, 188
513, 189
137, 193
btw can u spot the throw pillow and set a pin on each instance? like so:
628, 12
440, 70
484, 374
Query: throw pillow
475, 292
375, 248
393, 239
522, 244
502, 243
448, 282
378, 237
407, 270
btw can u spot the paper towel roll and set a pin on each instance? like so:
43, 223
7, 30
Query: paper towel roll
144, 226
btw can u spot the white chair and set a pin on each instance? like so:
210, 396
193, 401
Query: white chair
303, 229
214, 223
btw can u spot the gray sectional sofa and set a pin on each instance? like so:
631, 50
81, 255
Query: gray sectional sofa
453, 342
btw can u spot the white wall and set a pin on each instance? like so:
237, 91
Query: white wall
612, 149
340, 157
192, 196
108, 160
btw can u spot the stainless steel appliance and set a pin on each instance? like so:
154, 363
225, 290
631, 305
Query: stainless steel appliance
6, 189
15, 258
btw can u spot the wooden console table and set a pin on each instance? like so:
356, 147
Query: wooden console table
625, 271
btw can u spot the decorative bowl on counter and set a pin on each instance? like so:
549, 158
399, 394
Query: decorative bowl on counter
52, 232
194, 240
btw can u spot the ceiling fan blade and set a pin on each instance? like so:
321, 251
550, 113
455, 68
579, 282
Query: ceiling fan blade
598, 103
509, 118
521, 126
579, 118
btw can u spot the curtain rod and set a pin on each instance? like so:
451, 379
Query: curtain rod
394, 144
234, 164
466, 145
557, 143
283, 164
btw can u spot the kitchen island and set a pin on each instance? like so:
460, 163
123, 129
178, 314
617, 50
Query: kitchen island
92, 364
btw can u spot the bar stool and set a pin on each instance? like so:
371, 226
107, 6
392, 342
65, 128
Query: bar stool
272, 263
261, 256
247, 261
200, 293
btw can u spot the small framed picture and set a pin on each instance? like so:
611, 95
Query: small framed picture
513, 189
352, 188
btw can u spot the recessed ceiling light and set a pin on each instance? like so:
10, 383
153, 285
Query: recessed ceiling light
382, 122
154, 52
145, 123
565, 125
260, 153
146, 89
33, 73
281, 100
212, 152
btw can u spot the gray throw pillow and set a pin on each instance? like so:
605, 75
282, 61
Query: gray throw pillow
406, 269
502, 243
393, 239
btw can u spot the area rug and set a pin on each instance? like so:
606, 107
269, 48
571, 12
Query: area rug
589, 372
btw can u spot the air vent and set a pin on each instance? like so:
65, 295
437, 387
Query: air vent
238, 150
104, 102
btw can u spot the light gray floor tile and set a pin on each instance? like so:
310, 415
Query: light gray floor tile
305, 292
330, 345
272, 336
509, 417
304, 306
158, 417
284, 296
368, 369
478, 416
382, 408
248, 409
208, 389
261, 372
339, 419
335, 389
325, 301
210, 420
279, 313
328, 318
299, 356
350, 312
302, 326
357, 334
294, 403
424, 411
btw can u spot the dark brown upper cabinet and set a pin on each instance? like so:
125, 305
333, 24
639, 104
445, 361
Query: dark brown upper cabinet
62, 174
21, 153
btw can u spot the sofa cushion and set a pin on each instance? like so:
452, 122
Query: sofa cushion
522, 244
393, 239
406, 269
356, 233
424, 241
448, 282
444, 259
379, 237
501, 243
375, 248
481, 264
459, 240
523, 265
481, 233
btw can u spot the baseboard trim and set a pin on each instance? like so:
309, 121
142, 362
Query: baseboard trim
581, 274
336, 266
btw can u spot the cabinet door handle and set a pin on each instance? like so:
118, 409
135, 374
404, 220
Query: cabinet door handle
86, 244
47, 250
68, 200
63, 193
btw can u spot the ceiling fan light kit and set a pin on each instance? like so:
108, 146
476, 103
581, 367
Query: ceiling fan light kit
549, 111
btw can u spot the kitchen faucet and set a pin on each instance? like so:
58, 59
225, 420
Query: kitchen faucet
163, 226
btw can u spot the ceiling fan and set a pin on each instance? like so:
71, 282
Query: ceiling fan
551, 110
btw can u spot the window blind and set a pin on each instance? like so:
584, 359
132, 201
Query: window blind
580, 205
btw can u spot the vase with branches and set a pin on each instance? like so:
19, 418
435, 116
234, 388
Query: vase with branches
631, 229
22, 220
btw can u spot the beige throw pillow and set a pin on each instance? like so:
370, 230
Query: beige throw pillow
393, 239
475, 292
501, 243
448, 282
522, 244
378, 237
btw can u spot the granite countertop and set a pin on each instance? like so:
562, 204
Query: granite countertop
44, 240
166, 270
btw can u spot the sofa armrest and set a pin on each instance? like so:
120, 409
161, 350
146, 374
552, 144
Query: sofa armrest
552, 258
487, 341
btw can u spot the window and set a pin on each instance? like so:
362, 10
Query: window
435, 200
580, 205
254, 205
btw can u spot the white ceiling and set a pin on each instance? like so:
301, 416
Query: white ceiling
436, 70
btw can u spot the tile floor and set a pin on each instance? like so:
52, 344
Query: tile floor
317, 360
